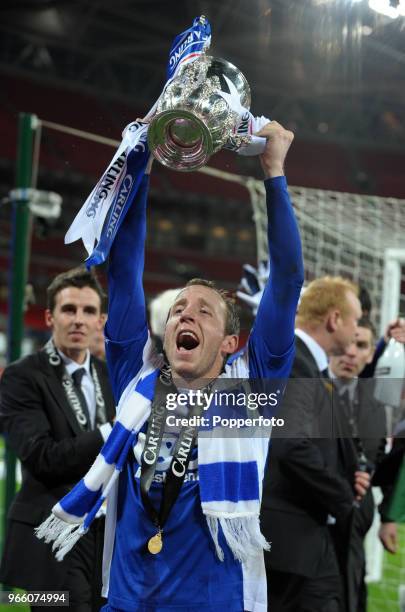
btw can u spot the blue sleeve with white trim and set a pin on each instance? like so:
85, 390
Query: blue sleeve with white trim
271, 343
126, 329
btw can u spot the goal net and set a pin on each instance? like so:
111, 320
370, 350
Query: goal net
360, 237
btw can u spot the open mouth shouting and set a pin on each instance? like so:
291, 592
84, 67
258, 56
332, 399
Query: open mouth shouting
186, 341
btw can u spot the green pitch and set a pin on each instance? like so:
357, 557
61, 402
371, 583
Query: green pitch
383, 595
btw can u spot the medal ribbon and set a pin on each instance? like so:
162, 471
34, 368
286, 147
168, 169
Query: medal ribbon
181, 455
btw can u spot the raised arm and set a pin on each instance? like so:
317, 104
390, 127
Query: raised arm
126, 328
273, 331
126, 299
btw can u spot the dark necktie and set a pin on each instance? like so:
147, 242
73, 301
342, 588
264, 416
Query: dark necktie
348, 407
77, 381
325, 373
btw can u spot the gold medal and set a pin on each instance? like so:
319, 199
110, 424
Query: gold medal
155, 544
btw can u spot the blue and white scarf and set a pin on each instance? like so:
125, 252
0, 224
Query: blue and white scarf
231, 472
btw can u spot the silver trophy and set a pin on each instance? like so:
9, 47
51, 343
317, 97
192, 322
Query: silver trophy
197, 114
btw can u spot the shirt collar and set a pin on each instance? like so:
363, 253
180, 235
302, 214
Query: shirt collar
343, 385
314, 348
72, 366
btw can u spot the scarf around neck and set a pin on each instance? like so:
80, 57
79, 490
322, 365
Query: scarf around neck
230, 475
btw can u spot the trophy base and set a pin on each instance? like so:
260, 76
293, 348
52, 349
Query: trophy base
180, 140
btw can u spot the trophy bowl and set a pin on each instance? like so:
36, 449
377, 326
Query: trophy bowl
193, 120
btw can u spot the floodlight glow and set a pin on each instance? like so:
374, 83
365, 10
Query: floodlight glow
385, 8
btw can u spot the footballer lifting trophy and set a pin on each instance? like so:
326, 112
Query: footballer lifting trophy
198, 113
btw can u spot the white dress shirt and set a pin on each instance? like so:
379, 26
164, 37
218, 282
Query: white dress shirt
315, 349
87, 386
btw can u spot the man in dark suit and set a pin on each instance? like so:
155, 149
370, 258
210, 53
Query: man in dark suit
56, 408
363, 422
305, 487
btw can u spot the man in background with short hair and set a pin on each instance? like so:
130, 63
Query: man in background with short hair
55, 410
305, 487
363, 422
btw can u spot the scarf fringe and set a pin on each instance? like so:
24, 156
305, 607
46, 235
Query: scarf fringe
242, 535
64, 536
50, 529
72, 536
213, 527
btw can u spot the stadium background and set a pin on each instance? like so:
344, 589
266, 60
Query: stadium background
330, 70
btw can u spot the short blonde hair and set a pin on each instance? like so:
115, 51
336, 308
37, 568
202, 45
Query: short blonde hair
321, 296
